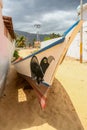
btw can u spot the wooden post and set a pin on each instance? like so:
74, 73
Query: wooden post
81, 32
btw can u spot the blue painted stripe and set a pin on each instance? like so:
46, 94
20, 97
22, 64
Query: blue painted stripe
43, 49
66, 32
46, 84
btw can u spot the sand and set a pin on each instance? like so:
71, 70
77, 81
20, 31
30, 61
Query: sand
66, 104
73, 76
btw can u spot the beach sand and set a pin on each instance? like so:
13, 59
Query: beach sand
66, 104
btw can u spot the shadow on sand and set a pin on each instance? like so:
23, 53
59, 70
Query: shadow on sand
59, 114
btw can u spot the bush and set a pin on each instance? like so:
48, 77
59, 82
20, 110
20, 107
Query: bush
16, 55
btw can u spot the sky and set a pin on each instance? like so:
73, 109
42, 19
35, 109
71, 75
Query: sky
53, 16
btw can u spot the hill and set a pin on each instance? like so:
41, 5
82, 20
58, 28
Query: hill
31, 36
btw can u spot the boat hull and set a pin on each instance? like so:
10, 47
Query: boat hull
5, 58
39, 68
24, 67
34, 65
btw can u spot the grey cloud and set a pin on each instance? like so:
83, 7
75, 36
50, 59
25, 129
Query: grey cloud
25, 13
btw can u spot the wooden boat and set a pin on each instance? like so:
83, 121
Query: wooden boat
39, 68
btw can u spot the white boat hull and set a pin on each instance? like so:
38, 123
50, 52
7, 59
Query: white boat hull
55, 51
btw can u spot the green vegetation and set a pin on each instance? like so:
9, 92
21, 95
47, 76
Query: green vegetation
23, 40
53, 35
16, 54
46, 38
34, 41
20, 41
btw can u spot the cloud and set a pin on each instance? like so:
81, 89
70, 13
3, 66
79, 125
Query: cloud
54, 15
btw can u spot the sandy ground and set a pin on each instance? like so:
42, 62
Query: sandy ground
66, 105
73, 76
25, 52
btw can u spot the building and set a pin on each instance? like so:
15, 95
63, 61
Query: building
74, 49
8, 28
37, 44
6, 25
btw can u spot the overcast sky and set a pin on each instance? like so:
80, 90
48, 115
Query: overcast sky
53, 15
